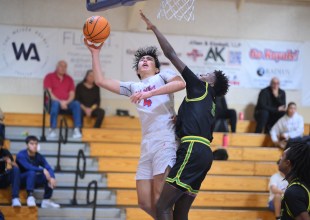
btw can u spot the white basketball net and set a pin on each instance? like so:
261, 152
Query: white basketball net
179, 9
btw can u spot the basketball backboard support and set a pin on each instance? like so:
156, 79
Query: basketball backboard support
101, 5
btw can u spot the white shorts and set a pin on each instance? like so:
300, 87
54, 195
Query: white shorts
158, 151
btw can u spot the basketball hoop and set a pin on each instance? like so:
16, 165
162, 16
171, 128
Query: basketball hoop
178, 9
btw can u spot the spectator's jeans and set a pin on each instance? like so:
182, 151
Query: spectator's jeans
31, 180
73, 107
11, 177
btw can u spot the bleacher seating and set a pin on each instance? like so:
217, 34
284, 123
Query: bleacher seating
209, 214
21, 213
233, 189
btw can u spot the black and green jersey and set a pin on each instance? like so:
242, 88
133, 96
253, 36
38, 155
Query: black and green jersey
197, 111
295, 201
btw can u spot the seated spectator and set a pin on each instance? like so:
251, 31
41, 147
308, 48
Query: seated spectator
222, 112
88, 94
36, 172
2, 126
289, 127
9, 176
277, 186
270, 106
61, 87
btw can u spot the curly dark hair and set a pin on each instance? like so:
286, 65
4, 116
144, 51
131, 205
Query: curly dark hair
141, 52
221, 85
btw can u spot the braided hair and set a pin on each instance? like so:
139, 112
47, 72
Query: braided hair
298, 154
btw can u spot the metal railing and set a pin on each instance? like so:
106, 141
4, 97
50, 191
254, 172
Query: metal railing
63, 138
47, 101
78, 173
94, 201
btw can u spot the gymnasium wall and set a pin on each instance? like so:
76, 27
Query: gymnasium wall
259, 20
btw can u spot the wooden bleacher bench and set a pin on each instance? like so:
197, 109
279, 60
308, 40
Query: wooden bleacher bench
35, 120
249, 168
7, 144
210, 214
307, 129
22, 213
245, 126
6, 196
134, 137
235, 153
208, 199
212, 182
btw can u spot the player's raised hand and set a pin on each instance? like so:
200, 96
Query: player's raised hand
149, 24
92, 47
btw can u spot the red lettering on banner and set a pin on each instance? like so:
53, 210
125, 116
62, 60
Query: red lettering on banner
277, 56
256, 54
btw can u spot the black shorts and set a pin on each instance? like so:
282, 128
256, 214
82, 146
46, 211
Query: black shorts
194, 160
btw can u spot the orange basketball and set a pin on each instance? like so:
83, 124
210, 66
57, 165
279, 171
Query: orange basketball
96, 29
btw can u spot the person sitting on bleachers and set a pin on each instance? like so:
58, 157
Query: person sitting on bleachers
9, 176
288, 128
88, 94
270, 106
277, 186
61, 88
36, 172
222, 112
2, 126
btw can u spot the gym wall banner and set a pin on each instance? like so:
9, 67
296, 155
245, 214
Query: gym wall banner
32, 52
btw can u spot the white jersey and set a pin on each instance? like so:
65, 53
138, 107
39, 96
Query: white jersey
276, 180
156, 112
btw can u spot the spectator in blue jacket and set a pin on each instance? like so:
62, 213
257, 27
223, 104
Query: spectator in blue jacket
36, 172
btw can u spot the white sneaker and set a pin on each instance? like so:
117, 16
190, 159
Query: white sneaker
16, 202
47, 203
31, 202
52, 133
76, 133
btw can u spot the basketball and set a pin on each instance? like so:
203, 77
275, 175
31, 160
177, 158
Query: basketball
96, 29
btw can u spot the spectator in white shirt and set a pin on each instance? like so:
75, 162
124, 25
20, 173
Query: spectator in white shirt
288, 128
277, 186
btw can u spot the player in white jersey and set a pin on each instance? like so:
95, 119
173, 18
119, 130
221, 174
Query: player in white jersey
154, 100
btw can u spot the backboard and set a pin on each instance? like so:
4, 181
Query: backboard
101, 5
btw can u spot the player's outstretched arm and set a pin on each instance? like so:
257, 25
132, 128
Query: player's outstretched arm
165, 45
100, 80
174, 85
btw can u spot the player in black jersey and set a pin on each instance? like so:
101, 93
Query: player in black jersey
295, 164
194, 127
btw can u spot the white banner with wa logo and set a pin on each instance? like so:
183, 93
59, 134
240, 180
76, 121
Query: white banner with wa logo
33, 52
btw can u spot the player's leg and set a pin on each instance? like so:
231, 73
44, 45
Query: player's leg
145, 197
144, 180
158, 184
182, 206
168, 197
